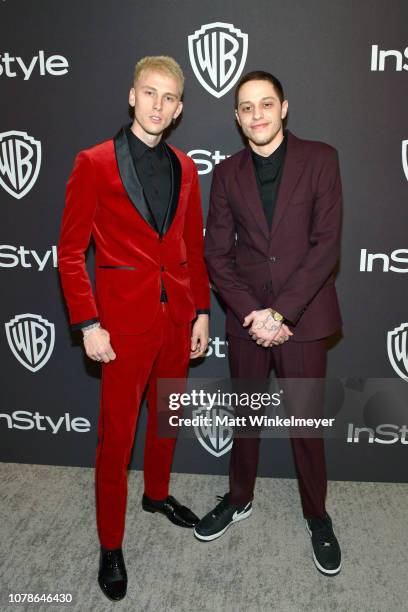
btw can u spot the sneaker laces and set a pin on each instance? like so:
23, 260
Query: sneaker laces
323, 533
221, 507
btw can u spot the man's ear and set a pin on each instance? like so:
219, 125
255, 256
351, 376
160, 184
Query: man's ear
132, 97
237, 117
285, 108
178, 110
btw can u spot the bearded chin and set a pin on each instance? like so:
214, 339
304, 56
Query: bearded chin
263, 141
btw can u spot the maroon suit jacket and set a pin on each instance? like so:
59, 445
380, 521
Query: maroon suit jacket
132, 256
289, 267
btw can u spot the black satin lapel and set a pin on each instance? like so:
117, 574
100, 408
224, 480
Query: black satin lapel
175, 188
250, 191
292, 170
130, 179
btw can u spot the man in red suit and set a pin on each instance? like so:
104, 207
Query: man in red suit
139, 199
272, 244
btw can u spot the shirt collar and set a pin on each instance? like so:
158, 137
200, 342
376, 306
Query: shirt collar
138, 148
274, 158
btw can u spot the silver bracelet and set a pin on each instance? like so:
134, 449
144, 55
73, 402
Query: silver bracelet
88, 328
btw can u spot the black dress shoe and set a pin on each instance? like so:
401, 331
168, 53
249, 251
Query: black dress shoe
170, 507
112, 576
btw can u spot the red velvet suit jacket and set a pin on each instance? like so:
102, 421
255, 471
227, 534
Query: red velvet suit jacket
132, 256
289, 267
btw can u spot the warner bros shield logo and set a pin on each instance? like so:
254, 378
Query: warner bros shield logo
405, 157
397, 347
20, 161
31, 339
216, 438
218, 53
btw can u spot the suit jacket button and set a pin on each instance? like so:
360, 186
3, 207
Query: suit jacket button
162, 268
272, 258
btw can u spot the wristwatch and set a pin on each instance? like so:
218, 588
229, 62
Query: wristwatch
276, 315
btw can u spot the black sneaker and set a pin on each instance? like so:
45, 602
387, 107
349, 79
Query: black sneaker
216, 522
326, 549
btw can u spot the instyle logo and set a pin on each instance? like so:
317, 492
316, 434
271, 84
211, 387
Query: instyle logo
31, 339
40, 64
386, 433
218, 53
202, 159
26, 420
216, 347
404, 153
397, 261
397, 348
393, 58
13, 257
20, 162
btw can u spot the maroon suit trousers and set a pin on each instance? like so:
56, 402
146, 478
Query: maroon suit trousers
304, 360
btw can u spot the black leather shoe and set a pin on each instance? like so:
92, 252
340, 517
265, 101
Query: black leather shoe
112, 576
170, 507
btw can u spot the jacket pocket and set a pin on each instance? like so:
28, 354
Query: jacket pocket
118, 267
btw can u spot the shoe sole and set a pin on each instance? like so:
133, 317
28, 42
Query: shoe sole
214, 536
321, 569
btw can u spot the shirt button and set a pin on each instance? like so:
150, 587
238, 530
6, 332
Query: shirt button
272, 258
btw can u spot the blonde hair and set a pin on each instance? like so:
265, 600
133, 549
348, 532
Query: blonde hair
160, 63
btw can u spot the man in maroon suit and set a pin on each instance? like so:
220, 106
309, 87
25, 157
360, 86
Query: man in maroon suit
139, 198
272, 243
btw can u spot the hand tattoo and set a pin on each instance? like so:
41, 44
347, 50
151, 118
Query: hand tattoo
268, 323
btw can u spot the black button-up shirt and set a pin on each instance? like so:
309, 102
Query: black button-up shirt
153, 168
268, 171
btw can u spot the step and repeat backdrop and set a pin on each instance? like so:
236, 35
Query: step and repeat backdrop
65, 71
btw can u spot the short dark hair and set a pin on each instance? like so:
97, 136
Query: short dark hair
260, 75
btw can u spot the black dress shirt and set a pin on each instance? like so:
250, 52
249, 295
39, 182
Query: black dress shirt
268, 171
153, 167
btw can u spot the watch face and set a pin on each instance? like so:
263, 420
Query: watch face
277, 316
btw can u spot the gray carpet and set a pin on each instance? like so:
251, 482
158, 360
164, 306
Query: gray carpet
49, 545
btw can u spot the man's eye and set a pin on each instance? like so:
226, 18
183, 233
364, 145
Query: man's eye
268, 104
169, 99
246, 109
149, 93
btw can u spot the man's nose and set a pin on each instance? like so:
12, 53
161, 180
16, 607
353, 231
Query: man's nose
257, 113
158, 103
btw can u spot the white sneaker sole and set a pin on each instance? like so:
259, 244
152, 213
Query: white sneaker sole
317, 564
214, 536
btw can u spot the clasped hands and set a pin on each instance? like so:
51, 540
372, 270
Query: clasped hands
264, 330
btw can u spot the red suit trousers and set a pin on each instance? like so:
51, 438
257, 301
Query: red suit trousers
161, 352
